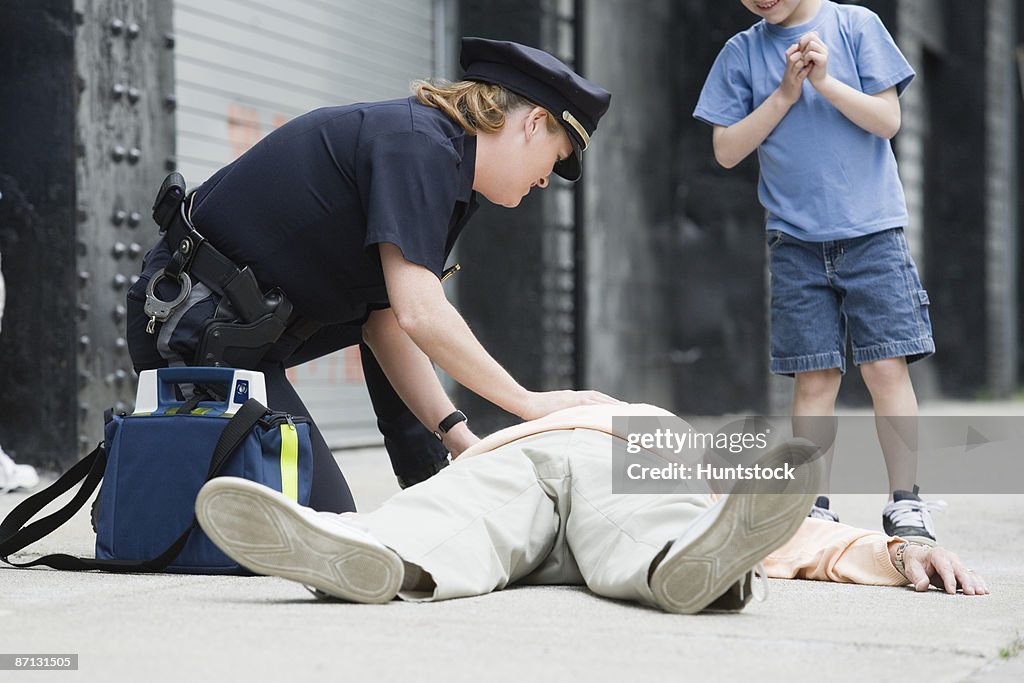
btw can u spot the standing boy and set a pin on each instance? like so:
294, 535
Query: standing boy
814, 87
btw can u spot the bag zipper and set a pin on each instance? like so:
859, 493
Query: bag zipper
275, 418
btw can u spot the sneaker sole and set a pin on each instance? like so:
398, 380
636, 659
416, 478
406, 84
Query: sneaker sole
269, 534
742, 530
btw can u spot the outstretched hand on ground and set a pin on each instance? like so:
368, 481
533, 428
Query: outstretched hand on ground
941, 568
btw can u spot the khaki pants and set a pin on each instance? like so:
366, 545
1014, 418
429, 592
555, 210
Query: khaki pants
538, 510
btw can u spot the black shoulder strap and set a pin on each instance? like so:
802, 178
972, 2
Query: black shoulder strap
15, 535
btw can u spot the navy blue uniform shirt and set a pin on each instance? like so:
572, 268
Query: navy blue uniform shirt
306, 207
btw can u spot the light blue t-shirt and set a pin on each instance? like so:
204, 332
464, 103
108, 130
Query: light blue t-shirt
822, 176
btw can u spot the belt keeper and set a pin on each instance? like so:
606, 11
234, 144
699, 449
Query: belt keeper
176, 266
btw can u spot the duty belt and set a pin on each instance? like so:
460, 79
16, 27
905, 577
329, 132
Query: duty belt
195, 258
265, 326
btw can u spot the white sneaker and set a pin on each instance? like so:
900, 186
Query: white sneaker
14, 476
721, 547
910, 518
821, 510
270, 534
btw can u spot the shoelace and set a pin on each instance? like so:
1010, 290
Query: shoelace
758, 578
915, 513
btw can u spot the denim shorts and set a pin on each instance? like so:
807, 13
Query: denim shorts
867, 286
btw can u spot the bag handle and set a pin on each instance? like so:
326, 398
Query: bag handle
15, 535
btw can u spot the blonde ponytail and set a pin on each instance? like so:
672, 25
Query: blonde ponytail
477, 107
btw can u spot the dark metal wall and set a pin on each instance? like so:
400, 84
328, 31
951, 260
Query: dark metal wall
955, 210
1002, 181
675, 243
721, 330
38, 384
126, 132
1019, 89
89, 96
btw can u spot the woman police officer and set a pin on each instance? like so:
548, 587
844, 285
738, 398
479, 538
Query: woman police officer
347, 214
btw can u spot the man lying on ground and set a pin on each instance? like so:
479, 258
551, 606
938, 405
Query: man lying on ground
534, 504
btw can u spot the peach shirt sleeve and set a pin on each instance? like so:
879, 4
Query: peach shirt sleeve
830, 551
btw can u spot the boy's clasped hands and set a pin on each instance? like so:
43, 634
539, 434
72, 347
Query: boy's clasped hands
807, 59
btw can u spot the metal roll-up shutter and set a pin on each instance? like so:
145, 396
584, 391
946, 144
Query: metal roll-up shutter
244, 67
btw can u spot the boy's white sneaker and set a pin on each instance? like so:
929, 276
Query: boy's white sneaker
821, 510
910, 518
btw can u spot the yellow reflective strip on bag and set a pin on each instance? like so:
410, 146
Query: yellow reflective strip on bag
290, 462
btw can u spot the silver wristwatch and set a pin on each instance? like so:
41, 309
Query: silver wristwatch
898, 556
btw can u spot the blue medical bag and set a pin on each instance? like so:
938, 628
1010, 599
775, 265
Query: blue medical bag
154, 461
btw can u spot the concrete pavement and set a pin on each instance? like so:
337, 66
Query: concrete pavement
206, 628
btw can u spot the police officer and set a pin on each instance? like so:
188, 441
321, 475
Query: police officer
341, 221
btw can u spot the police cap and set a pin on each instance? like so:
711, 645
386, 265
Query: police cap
577, 103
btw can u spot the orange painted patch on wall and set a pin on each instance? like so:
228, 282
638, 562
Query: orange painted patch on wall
243, 128
353, 365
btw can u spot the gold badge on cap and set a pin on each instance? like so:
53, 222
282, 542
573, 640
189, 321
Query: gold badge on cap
578, 127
